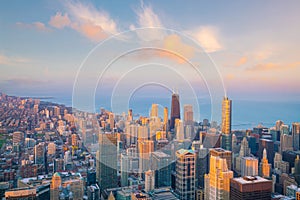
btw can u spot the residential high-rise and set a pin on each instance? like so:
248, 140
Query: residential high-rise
39, 153
249, 166
185, 174
106, 168
129, 117
180, 131
265, 167
51, 148
18, 137
74, 138
296, 135
166, 119
154, 110
149, 180
250, 187
217, 182
175, 110
188, 115
222, 153
56, 111
145, 148
286, 142
58, 165
111, 120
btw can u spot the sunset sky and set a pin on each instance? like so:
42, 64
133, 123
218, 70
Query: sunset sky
255, 44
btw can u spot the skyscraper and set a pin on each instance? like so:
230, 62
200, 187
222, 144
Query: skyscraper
129, 117
107, 161
244, 151
149, 180
226, 116
226, 124
180, 131
249, 188
188, 116
161, 164
39, 153
175, 110
166, 119
202, 163
222, 153
249, 166
111, 120
217, 182
185, 174
265, 167
145, 148
154, 110
296, 135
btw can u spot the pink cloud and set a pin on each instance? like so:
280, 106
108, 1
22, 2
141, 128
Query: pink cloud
60, 21
35, 25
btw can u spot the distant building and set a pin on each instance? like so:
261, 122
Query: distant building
188, 115
249, 166
226, 123
175, 110
226, 116
265, 167
296, 135
39, 153
149, 180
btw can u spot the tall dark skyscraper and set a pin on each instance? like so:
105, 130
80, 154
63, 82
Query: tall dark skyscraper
175, 110
106, 168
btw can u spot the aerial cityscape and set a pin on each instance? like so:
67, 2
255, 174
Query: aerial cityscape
142, 100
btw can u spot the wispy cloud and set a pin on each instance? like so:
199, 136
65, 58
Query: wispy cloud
208, 38
9, 60
146, 17
35, 25
173, 43
243, 60
84, 18
273, 66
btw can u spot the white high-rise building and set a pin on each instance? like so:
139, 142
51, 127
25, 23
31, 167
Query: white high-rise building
149, 180
249, 166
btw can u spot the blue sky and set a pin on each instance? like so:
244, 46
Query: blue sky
254, 43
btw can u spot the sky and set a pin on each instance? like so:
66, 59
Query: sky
254, 45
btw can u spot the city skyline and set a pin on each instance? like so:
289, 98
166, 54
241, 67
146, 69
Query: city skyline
149, 100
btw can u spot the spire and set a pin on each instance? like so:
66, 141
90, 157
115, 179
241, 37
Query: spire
265, 153
111, 196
